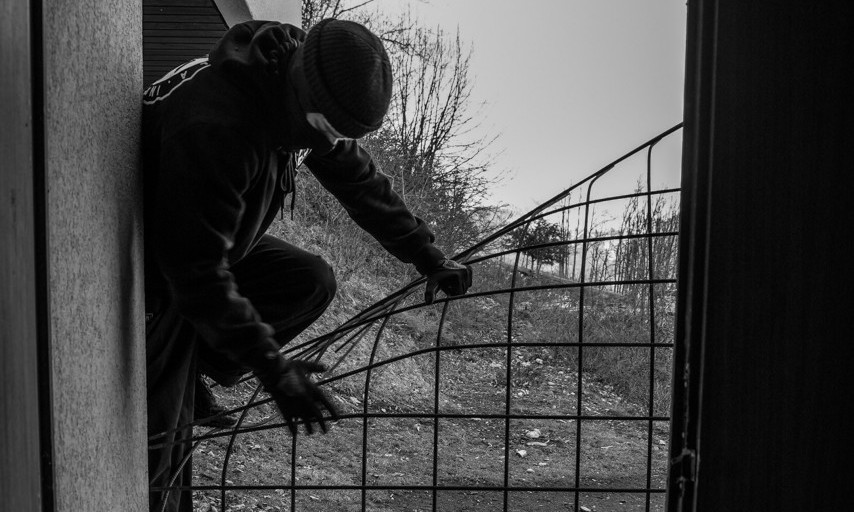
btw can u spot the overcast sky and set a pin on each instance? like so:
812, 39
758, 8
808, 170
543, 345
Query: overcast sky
570, 85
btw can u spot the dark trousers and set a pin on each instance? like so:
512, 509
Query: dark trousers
289, 287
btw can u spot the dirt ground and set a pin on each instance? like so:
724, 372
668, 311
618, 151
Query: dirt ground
468, 463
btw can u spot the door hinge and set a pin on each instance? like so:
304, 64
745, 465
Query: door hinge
684, 466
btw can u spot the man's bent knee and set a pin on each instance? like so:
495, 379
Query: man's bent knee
325, 284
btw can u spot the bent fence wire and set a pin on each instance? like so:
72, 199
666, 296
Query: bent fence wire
546, 387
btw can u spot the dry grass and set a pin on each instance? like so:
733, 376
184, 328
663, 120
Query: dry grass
616, 381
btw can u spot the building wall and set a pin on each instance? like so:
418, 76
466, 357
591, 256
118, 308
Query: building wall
238, 11
286, 11
93, 84
176, 31
766, 272
19, 420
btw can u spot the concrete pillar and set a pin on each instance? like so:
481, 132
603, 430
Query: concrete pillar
92, 62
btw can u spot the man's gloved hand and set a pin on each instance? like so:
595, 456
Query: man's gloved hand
449, 276
298, 398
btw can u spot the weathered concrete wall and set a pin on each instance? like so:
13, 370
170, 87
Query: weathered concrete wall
93, 82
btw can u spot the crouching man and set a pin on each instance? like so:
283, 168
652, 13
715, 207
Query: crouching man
222, 138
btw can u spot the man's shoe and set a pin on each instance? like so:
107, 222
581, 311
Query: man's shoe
209, 413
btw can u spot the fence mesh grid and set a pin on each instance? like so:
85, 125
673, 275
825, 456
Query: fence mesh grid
546, 387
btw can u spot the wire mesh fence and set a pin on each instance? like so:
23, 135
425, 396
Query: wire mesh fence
546, 387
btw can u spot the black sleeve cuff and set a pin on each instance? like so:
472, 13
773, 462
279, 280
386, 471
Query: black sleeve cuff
427, 258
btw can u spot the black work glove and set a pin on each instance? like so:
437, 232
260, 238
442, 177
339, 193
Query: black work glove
449, 276
297, 396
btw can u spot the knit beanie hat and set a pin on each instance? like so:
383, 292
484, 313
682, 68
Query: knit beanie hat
349, 76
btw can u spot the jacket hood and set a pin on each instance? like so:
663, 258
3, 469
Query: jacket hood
258, 55
255, 55
263, 48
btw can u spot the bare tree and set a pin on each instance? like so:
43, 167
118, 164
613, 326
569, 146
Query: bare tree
316, 10
632, 261
437, 161
428, 143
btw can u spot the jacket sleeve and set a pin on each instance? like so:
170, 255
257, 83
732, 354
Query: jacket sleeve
204, 171
351, 175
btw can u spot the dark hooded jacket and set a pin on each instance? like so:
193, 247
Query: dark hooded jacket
221, 137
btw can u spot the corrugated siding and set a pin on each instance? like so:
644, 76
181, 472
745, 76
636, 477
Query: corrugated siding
176, 31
